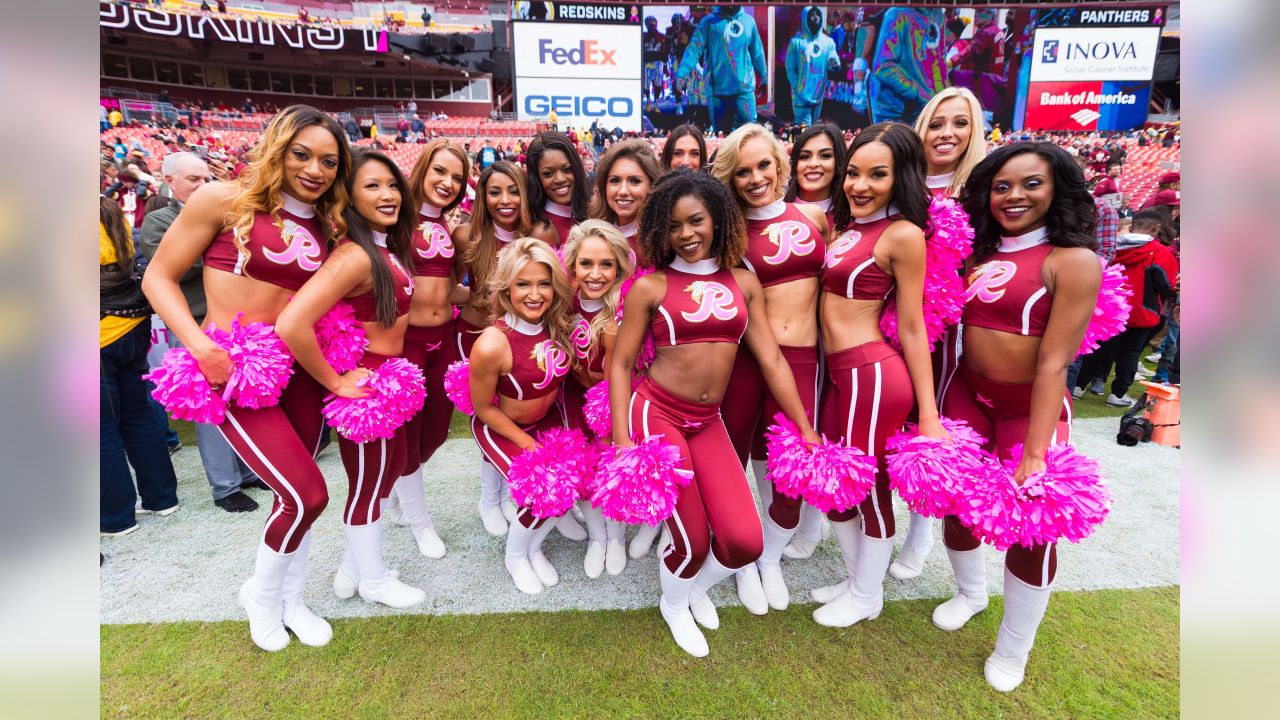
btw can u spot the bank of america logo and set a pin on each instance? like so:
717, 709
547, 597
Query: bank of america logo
1049, 53
1085, 117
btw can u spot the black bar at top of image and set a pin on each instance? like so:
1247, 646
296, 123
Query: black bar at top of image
591, 13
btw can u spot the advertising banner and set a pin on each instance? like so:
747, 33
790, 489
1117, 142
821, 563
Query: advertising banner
1094, 54
242, 30
584, 72
1083, 106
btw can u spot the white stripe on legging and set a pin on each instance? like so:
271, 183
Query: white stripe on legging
871, 446
377, 485
494, 446
853, 406
351, 501
297, 499
1044, 572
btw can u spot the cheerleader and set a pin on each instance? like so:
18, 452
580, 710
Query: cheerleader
684, 147
624, 177
368, 270
879, 251
501, 215
558, 190
521, 361
598, 260
784, 251
697, 305
817, 159
1032, 285
436, 183
261, 240
946, 127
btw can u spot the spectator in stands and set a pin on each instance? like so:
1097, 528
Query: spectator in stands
419, 130
1151, 271
104, 121
487, 155
1106, 191
304, 15
183, 173
119, 150
402, 129
130, 433
222, 7
353, 130
247, 107
204, 6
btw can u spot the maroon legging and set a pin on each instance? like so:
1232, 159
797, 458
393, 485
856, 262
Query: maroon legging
372, 467
715, 511
498, 450
868, 400
431, 349
279, 444
749, 407
1001, 412
465, 336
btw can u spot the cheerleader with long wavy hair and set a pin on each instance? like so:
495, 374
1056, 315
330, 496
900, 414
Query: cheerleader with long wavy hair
261, 239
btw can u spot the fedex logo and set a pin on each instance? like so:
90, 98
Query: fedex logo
588, 52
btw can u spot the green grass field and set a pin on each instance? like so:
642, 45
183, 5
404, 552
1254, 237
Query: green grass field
1102, 654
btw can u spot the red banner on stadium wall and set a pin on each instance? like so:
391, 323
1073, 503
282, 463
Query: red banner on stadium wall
1092, 105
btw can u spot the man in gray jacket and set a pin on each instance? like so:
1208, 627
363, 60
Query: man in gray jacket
184, 172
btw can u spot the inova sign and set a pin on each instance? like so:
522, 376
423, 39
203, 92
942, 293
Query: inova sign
1094, 54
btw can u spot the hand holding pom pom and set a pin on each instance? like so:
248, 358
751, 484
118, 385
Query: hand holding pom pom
929, 473
640, 483
828, 475
394, 393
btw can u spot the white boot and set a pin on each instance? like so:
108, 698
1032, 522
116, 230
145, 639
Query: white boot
764, 487
508, 505
491, 482
811, 531
848, 538
260, 598
593, 563
915, 548
615, 551
545, 571
775, 587
376, 584
569, 527
519, 538
391, 510
971, 578
412, 501
311, 629
1024, 607
674, 606
865, 597
709, 575
750, 591
641, 543
348, 577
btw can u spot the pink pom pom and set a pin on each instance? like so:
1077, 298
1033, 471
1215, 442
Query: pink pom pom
183, 390
457, 386
596, 410
1065, 502
930, 474
341, 337
641, 483
397, 390
829, 476
548, 479
945, 252
1111, 313
261, 364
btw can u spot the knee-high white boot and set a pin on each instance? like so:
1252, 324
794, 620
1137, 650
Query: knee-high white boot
569, 527
775, 587
376, 583
865, 597
971, 579
848, 537
491, 482
709, 575
260, 598
541, 565
310, 628
751, 590
808, 534
519, 538
615, 551
674, 606
915, 548
413, 510
1024, 607
593, 563
642, 541
764, 488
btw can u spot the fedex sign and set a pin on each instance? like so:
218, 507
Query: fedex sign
587, 52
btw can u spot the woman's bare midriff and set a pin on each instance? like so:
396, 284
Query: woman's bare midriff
792, 312
526, 412
849, 323
386, 340
430, 307
697, 372
1000, 356
228, 295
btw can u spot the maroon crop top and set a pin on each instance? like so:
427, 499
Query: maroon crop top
538, 365
849, 269
366, 304
561, 217
1007, 292
782, 244
586, 311
824, 206
703, 304
286, 256
433, 249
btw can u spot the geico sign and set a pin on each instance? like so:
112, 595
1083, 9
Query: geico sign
587, 52
591, 106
